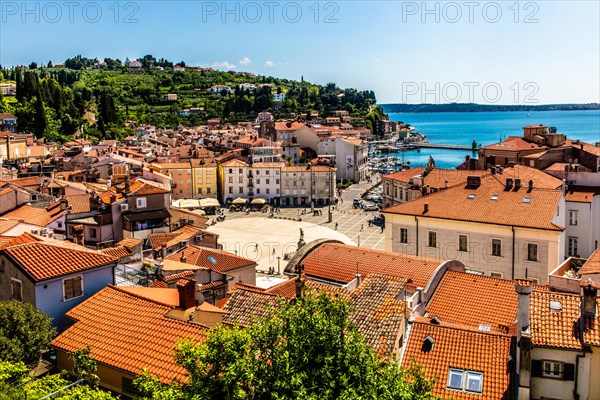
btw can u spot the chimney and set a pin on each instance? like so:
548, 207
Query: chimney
358, 279
530, 185
182, 258
64, 203
523, 288
425, 208
509, 183
588, 303
446, 184
517, 183
493, 170
299, 281
473, 181
564, 187
163, 250
187, 293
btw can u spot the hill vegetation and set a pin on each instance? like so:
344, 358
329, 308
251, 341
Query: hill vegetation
102, 98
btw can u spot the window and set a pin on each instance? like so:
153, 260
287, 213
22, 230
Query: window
572, 250
403, 235
469, 381
59, 225
455, 379
532, 252
432, 239
462, 243
267, 172
267, 182
16, 289
268, 191
240, 171
208, 191
231, 179
258, 191
572, 217
277, 181
257, 172
230, 171
499, 275
140, 202
552, 369
497, 247
240, 190
230, 190
93, 232
72, 287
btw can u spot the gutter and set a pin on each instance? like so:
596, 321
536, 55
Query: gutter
513, 253
417, 243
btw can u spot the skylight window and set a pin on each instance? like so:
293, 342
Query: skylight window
212, 259
471, 196
555, 305
484, 327
468, 381
494, 197
527, 200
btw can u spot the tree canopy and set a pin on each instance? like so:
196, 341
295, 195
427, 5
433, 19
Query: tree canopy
25, 332
304, 349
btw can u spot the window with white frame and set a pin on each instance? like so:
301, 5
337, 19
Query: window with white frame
432, 239
497, 247
552, 369
499, 275
140, 202
463, 243
403, 235
572, 248
72, 287
468, 381
532, 252
16, 287
573, 217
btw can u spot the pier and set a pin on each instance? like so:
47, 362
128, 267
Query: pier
444, 146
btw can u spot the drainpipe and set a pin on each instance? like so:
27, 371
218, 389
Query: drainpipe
577, 357
513, 252
417, 245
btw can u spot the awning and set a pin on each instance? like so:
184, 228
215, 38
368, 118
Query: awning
258, 201
239, 200
189, 203
209, 203
147, 216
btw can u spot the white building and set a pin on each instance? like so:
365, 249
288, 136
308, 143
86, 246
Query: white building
351, 157
266, 178
235, 179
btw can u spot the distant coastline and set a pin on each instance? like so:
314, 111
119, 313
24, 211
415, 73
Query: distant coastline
472, 107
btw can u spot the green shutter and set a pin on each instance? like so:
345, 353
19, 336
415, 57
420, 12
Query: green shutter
569, 372
536, 368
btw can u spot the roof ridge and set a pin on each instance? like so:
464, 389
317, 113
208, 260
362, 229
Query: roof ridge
464, 329
123, 290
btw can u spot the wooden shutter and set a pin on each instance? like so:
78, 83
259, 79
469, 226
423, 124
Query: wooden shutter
569, 372
17, 290
536, 368
72, 287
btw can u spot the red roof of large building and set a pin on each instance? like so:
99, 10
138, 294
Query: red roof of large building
129, 331
216, 260
489, 203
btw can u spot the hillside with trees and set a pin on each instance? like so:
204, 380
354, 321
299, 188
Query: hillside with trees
101, 99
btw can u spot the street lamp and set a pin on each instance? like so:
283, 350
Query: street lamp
278, 269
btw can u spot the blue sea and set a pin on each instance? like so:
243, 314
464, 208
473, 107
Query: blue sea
490, 127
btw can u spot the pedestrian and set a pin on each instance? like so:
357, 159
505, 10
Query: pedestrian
256, 247
273, 250
362, 227
381, 228
336, 226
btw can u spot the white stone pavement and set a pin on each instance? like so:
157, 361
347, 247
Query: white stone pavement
264, 239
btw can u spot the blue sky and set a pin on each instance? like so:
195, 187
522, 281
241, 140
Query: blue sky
502, 52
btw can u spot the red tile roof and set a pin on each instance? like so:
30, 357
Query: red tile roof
45, 261
470, 300
129, 332
554, 327
507, 209
341, 262
592, 265
514, 143
245, 307
467, 350
80, 203
8, 224
216, 260
130, 243
117, 252
35, 215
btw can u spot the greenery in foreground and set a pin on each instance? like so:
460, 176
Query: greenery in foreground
25, 332
305, 349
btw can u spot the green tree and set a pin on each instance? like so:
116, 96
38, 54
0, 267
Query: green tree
85, 367
25, 332
305, 349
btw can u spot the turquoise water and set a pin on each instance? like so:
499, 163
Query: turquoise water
487, 128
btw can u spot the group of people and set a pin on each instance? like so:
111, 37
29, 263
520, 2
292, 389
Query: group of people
271, 270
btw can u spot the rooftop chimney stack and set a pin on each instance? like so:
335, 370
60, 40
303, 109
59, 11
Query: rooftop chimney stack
299, 281
187, 293
517, 183
530, 185
588, 303
425, 208
509, 183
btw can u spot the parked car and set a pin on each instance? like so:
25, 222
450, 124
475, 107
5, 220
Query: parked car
371, 207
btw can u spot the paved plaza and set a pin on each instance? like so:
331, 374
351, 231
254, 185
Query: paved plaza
263, 239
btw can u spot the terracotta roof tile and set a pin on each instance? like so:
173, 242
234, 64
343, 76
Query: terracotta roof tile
216, 260
246, 307
592, 265
44, 261
128, 332
80, 203
130, 243
340, 263
35, 215
554, 320
514, 143
25, 237
117, 252
466, 350
8, 224
470, 300
508, 208
378, 314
